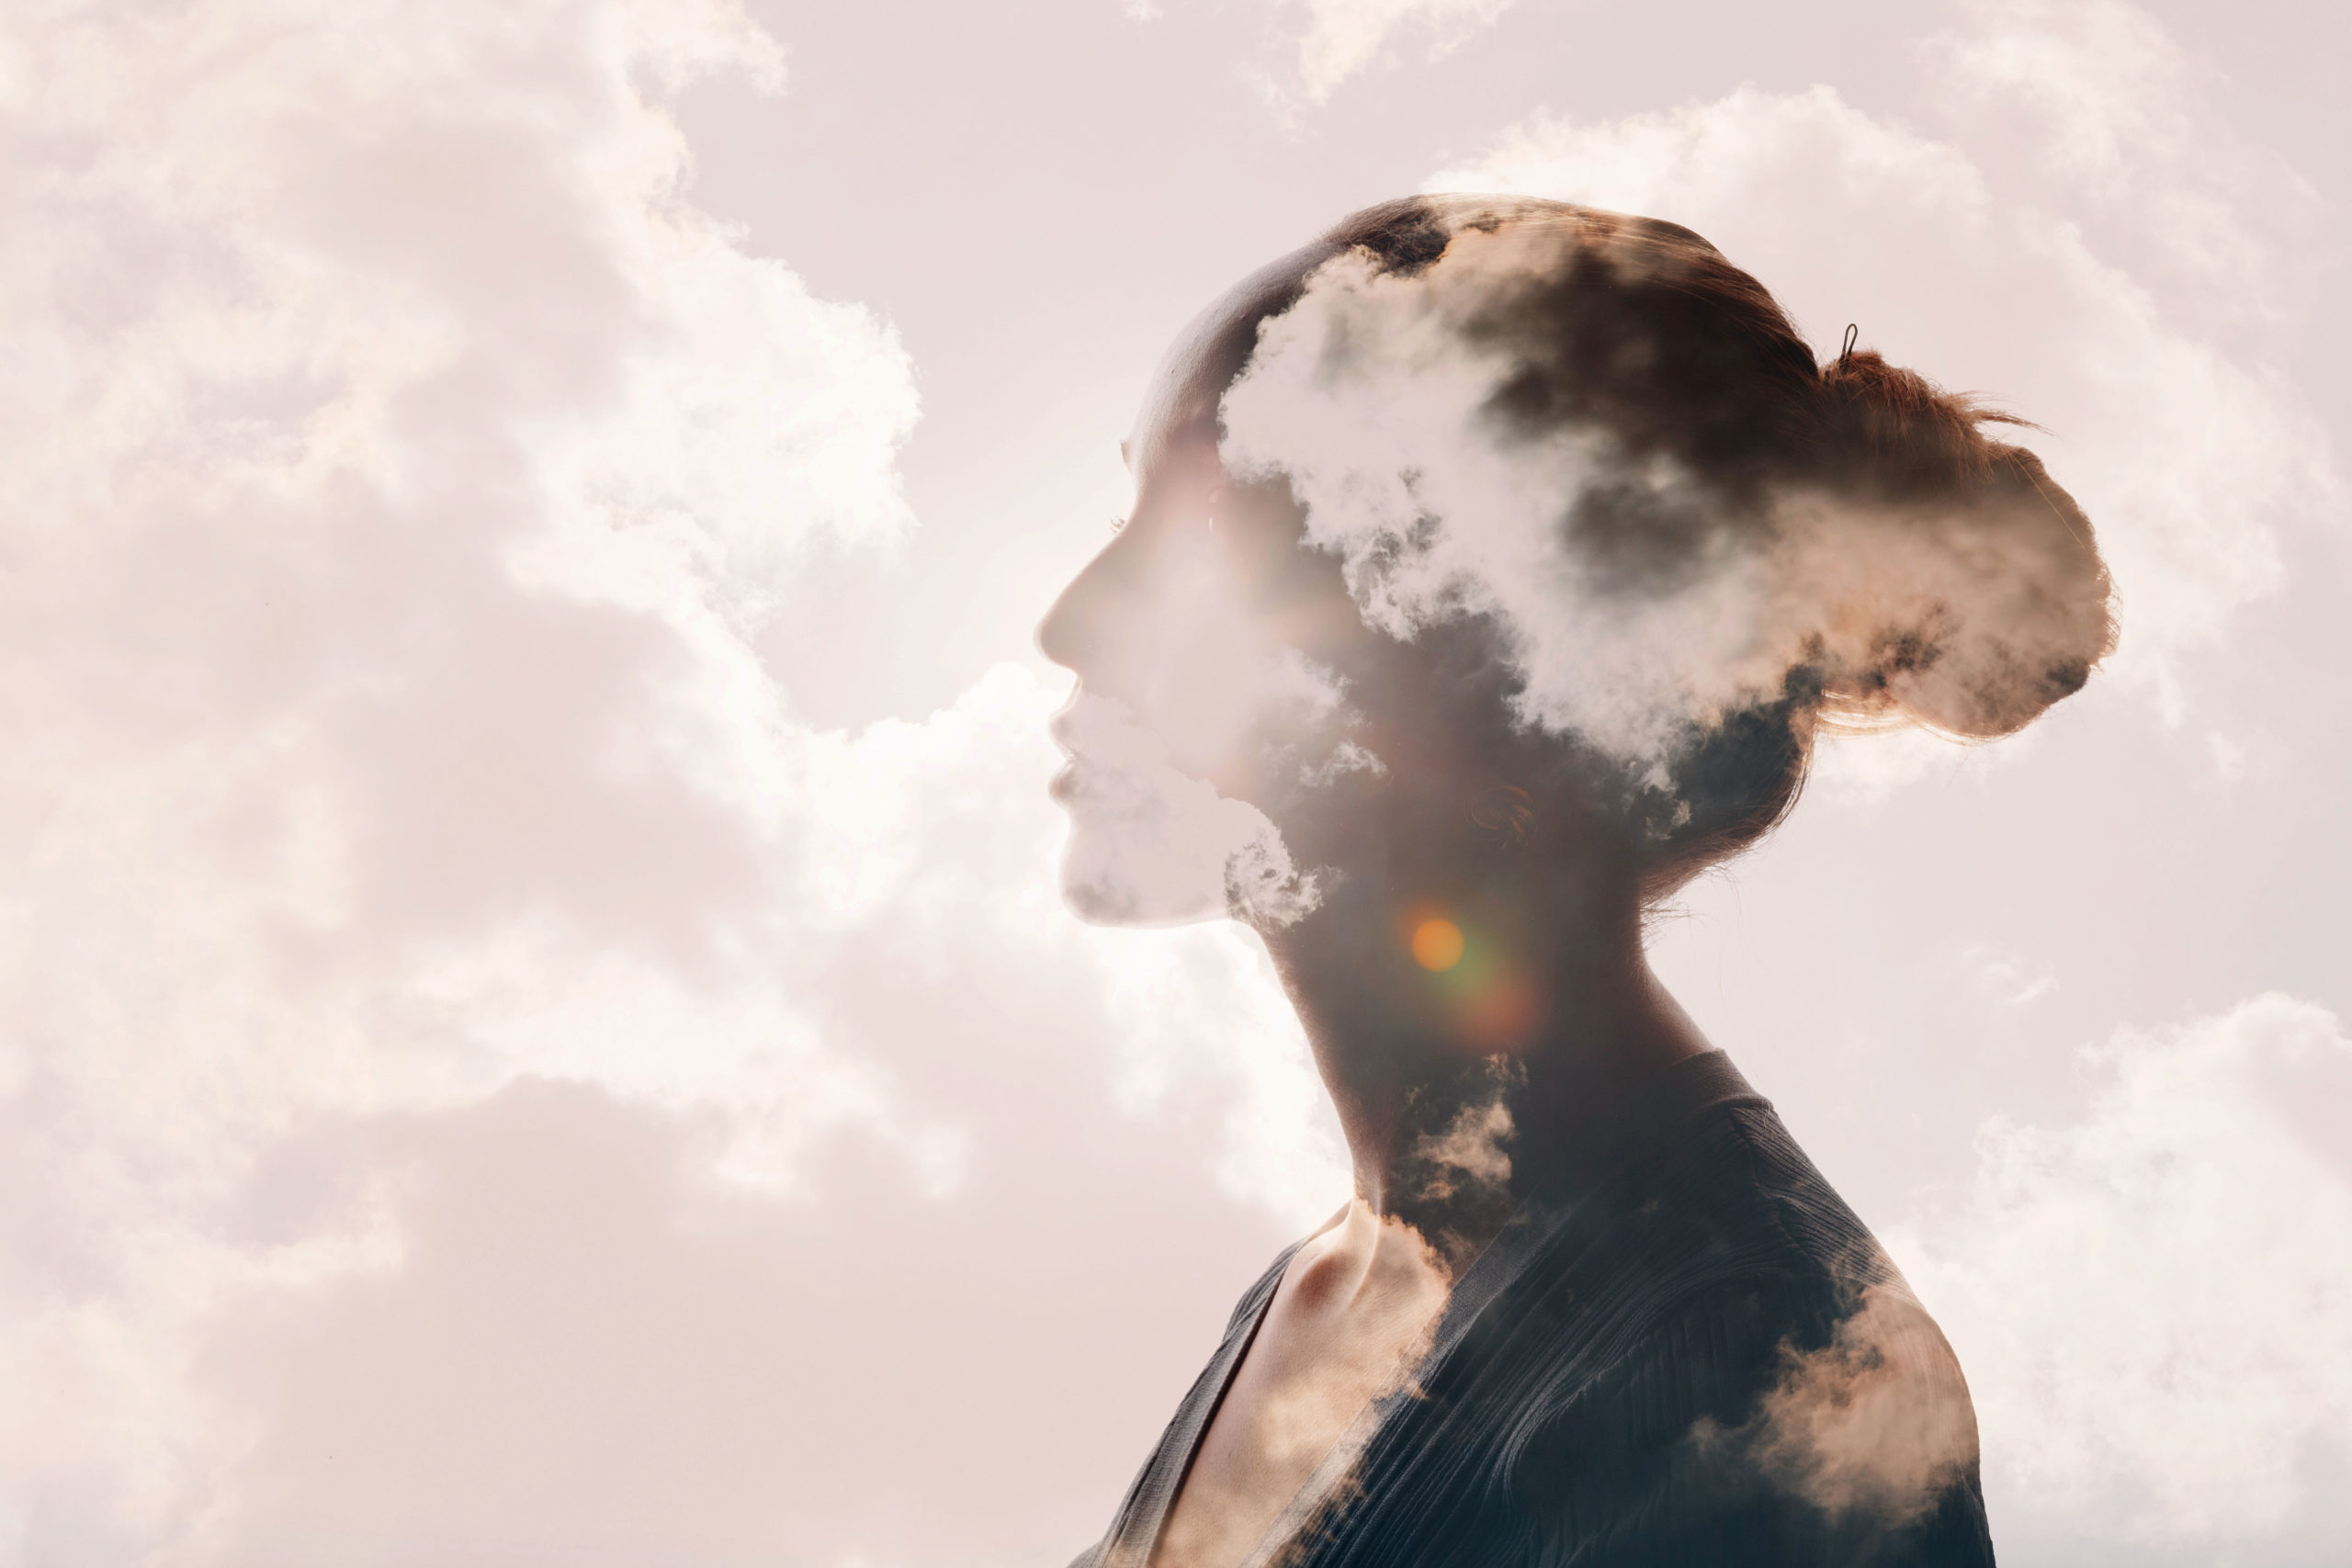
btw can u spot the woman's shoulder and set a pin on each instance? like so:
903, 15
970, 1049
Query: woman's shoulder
1751, 1361
1724, 1436
1737, 1242
1734, 1196
1262, 1290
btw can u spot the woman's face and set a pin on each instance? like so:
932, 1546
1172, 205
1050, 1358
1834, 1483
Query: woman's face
1241, 738
1240, 742
1213, 720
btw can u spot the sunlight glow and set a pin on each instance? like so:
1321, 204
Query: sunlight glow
1437, 945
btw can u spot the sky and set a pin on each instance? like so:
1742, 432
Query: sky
540, 1024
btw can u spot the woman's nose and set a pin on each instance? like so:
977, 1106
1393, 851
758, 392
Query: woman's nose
1075, 633
1058, 634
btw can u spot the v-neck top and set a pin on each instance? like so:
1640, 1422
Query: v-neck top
1687, 1350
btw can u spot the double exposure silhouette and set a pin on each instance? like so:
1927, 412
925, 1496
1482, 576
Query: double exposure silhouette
1493, 567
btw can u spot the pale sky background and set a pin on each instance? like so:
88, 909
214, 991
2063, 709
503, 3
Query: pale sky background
538, 1027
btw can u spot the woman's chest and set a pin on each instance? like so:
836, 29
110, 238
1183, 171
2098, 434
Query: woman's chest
1318, 1362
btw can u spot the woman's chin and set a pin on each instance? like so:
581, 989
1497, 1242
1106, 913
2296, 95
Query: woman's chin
1155, 847
1108, 882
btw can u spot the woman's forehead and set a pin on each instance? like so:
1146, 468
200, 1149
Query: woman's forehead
1180, 404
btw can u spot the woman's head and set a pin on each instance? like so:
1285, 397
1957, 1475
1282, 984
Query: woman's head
1495, 542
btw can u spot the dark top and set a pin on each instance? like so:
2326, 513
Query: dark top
1690, 1352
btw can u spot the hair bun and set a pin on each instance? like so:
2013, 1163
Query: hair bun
1965, 588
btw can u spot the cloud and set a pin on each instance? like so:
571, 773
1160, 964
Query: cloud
1339, 39
402, 469
2148, 1300
1873, 1428
2005, 977
1345, 37
1152, 843
385, 428
480, 1073
2045, 245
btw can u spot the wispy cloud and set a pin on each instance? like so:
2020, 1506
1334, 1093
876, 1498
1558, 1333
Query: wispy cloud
2146, 1298
1332, 41
400, 469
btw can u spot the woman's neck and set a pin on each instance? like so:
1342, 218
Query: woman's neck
1455, 1105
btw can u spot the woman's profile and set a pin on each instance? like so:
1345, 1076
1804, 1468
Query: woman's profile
1493, 567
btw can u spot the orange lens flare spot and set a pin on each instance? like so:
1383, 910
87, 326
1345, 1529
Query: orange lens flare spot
1437, 945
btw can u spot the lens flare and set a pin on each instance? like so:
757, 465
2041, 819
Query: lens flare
1437, 945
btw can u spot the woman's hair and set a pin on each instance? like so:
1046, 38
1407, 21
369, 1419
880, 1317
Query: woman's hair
1963, 588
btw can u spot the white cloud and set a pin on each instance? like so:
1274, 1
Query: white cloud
1338, 40
2078, 283
1873, 1425
2149, 1301
2108, 109
380, 411
399, 466
438, 960
1200, 1009
1869, 767
2005, 977
1344, 37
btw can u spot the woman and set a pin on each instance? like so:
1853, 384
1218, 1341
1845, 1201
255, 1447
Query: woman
1494, 564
